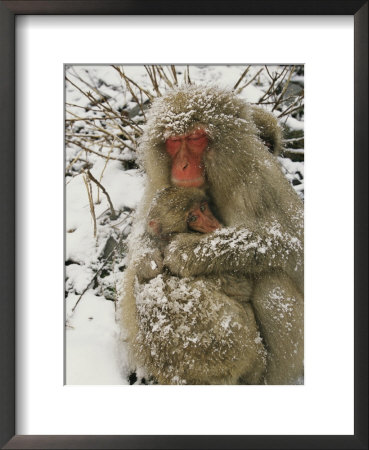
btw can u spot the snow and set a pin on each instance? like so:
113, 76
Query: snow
92, 331
125, 189
91, 342
294, 124
78, 277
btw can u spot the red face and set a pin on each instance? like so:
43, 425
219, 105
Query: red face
186, 152
201, 219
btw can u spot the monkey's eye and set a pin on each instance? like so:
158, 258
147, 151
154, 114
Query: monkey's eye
173, 144
191, 218
203, 207
195, 137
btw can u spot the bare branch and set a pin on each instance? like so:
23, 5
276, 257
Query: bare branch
90, 200
92, 178
284, 88
239, 90
241, 77
79, 144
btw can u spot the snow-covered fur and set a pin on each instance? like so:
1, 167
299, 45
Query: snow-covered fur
167, 305
269, 130
170, 208
263, 238
182, 341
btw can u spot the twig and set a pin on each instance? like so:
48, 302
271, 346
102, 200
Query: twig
271, 89
284, 89
90, 200
101, 268
128, 82
81, 135
113, 214
163, 76
288, 112
102, 172
106, 132
107, 117
293, 139
295, 106
187, 73
106, 110
74, 160
83, 107
124, 76
152, 75
78, 144
241, 77
239, 90
174, 74
103, 97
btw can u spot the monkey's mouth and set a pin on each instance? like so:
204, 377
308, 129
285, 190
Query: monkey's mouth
194, 182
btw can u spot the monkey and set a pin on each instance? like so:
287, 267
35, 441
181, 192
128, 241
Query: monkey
269, 130
203, 320
189, 332
180, 210
206, 137
177, 210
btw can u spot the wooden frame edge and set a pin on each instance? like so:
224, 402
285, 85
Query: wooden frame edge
8, 11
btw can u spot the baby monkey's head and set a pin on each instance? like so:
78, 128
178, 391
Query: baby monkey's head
178, 210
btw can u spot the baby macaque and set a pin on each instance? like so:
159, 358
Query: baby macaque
178, 210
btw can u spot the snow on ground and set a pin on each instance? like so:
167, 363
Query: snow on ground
92, 355
91, 342
125, 190
91, 332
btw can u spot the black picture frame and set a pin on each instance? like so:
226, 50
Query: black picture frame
8, 12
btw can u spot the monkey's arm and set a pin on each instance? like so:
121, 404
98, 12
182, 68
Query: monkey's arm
235, 250
147, 259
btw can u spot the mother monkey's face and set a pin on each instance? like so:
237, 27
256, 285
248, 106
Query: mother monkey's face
186, 153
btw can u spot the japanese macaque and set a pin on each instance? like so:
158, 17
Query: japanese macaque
177, 210
205, 137
180, 210
195, 317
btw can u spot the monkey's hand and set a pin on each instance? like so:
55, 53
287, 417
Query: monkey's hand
149, 264
238, 250
180, 255
226, 250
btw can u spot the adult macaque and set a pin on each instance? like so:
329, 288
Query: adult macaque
206, 137
184, 322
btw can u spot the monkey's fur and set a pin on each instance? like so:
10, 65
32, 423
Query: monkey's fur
262, 238
190, 332
170, 208
201, 318
269, 130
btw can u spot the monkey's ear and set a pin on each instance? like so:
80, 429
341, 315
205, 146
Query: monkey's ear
155, 226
